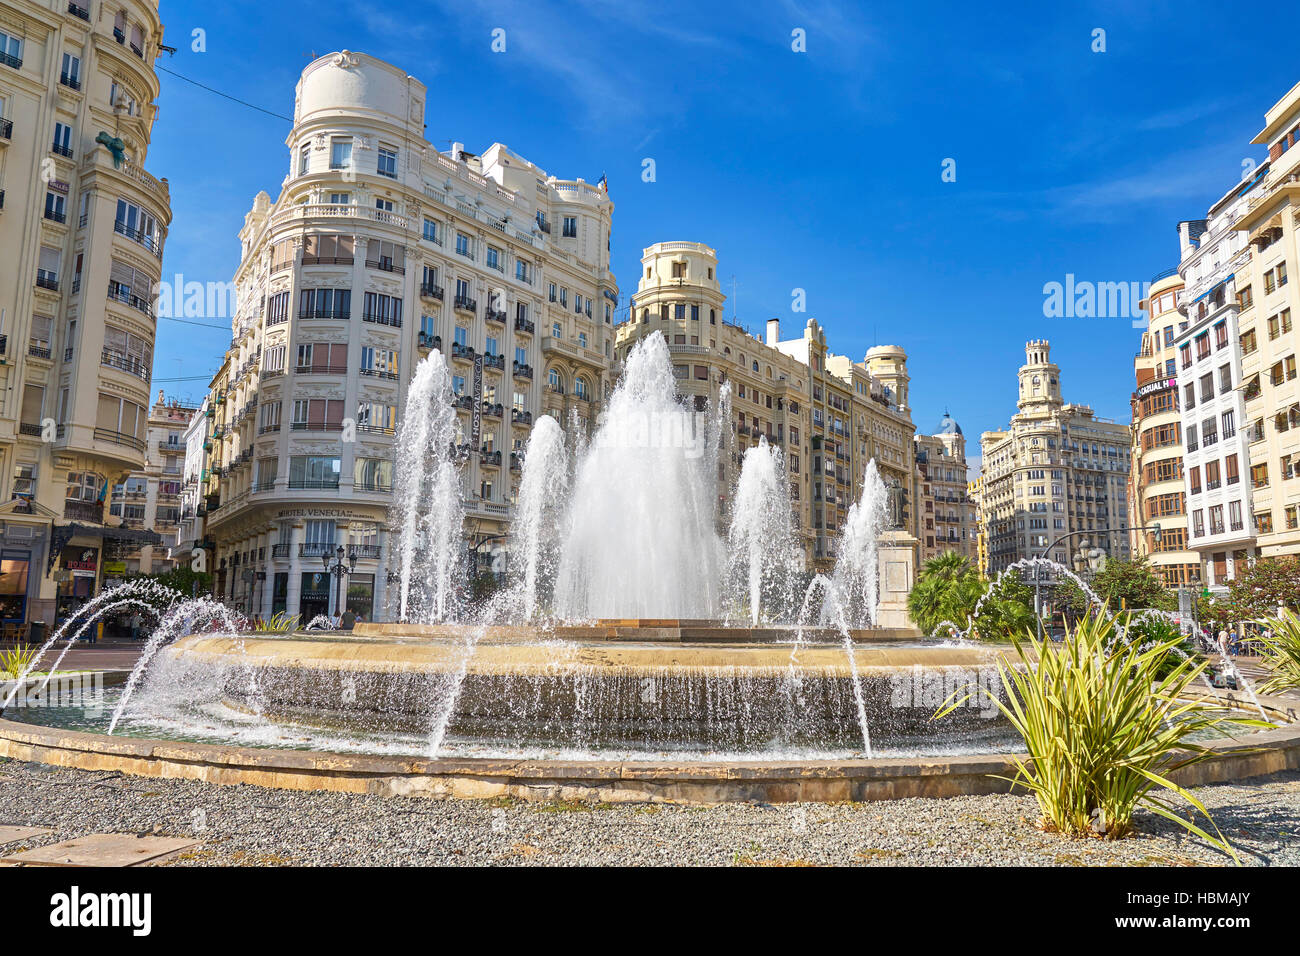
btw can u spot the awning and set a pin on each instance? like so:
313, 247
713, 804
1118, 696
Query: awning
61, 534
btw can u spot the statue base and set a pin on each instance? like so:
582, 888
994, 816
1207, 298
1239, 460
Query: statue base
896, 554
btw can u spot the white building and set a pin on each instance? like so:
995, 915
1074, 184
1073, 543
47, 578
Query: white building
1215, 435
377, 249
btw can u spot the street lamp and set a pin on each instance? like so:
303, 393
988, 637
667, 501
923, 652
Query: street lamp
340, 571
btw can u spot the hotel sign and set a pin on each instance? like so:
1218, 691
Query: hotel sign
1159, 385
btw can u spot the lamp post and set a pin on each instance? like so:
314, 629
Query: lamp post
340, 570
1038, 578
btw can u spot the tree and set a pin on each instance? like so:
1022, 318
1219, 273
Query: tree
949, 588
1268, 584
181, 578
1122, 585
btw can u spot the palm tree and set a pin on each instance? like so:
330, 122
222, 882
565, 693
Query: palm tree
949, 588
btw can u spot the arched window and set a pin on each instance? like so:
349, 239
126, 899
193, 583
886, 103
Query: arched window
580, 388
556, 380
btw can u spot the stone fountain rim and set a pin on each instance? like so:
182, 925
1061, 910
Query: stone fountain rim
769, 781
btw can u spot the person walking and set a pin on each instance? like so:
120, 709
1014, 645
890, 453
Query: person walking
1223, 641
135, 626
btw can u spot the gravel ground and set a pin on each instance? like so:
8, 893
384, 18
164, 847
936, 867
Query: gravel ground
252, 826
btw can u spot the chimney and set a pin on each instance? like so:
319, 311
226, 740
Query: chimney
456, 150
773, 331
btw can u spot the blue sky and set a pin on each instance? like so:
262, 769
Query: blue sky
818, 170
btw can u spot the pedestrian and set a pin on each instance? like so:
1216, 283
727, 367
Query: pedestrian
348, 619
1223, 641
135, 626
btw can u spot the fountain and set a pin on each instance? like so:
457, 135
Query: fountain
641, 541
427, 495
643, 640
766, 557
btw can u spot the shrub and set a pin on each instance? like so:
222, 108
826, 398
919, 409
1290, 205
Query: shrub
15, 660
1104, 728
1281, 652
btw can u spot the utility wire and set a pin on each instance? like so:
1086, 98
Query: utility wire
234, 99
204, 325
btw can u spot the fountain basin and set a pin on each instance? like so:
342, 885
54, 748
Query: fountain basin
773, 781
669, 690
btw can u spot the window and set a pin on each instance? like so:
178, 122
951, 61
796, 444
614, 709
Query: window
70, 75
340, 199
325, 304
1264, 522
523, 271
1234, 515
494, 258
570, 227
376, 416
373, 474
138, 225
555, 380
62, 139
1229, 424
340, 153
431, 231
387, 162
557, 332
304, 159
1198, 523
11, 50
56, 207
464, 246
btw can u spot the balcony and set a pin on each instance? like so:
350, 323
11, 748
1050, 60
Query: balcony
382, 319
465, 303
53, 215
35, 350
15, 62
491, 459
520, 417
521, 370
320, 369
29, 428
84, 511
523, 325
431, 291
363, 550
47, 280
317, 549
71, 82
279, 551
126, 363
123, 294
465, 352
493, 410
386, 265
297, 484
79, 12
493, 315
139, 237
316, 426
379, 373
497, 362
427, 341
325, 314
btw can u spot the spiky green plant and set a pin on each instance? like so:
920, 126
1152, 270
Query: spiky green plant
280, 622
15, 660
1281, 651
1105, 724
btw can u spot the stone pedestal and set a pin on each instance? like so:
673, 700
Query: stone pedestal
897, 560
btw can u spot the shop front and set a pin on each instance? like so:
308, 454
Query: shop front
314, 598
361, 596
